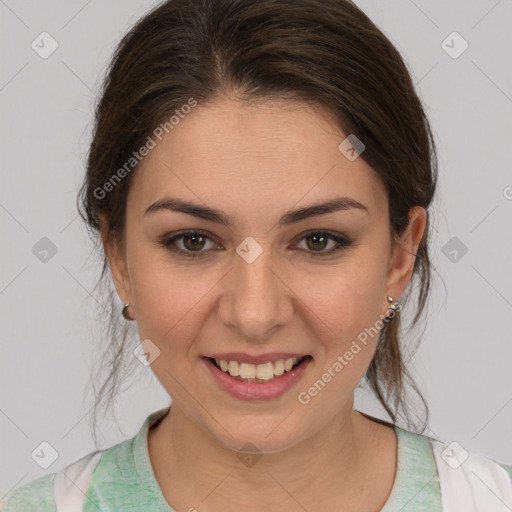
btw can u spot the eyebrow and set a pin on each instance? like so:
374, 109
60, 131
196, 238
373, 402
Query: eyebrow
291, 217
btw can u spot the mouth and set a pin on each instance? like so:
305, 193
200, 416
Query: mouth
246, 382
261, 373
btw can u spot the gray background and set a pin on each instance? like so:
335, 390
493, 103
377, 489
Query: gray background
51, 322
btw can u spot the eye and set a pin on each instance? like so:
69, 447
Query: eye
320, 240
193, 242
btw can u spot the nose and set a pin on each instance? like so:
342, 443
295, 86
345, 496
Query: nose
256, 299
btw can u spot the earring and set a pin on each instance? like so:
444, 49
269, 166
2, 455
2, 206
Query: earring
126, 314
394, 307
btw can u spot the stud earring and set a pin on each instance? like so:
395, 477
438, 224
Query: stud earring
126, 314
394, 308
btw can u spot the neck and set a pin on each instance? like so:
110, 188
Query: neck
188, 462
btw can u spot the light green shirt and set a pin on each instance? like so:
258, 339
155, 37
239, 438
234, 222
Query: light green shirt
124, 479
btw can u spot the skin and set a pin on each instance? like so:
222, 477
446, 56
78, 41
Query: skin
256, 161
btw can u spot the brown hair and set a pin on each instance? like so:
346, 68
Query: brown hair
326, 52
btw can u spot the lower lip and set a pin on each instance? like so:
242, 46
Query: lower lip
257, 390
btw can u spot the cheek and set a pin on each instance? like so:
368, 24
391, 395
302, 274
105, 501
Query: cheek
168, 304
350, 305
169, 294
347, 301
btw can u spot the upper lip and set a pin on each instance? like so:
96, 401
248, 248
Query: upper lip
257, 359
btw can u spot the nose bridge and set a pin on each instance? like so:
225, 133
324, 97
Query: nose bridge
259, 300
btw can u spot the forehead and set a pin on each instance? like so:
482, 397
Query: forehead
252, 156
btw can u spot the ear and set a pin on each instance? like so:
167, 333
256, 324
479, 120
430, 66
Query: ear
118, 266
404, 254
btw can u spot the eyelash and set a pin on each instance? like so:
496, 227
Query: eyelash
168, 242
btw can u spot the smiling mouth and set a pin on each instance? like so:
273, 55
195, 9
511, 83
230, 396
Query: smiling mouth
267, 372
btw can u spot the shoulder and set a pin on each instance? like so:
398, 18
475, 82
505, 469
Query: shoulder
57, 490
34, 496
465, 478
416, 485
99, 480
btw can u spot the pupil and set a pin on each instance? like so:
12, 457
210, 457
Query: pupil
321, 237
194, 238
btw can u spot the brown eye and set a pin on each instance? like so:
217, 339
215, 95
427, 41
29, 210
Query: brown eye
194, 241
317, 241
192, 244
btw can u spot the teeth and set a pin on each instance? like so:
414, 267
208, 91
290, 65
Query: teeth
265, 371
234, 368
288, 364
279, 367
248, 371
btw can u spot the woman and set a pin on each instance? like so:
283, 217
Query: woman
260, 177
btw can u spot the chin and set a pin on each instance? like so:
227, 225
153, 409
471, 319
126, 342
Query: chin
259, 438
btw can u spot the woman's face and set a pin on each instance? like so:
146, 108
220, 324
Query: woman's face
259, 286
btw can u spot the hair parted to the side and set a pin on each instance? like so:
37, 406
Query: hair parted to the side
325, 52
